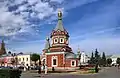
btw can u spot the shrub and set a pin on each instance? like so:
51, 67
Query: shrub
10, 73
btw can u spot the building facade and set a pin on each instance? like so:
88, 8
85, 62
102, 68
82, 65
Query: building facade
114, 59
58, 53
24, 60
17, 60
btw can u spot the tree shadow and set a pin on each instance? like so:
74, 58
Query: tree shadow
38, 76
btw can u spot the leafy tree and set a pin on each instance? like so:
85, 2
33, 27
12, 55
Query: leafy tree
118, 61
35, 57
103, 60
109, 61
92, 59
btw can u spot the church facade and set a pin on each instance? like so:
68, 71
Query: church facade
58, 53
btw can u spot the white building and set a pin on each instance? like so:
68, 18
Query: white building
114, 58
84, 58
24, 59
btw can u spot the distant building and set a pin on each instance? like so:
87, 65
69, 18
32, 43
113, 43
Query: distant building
59, 54
6, 60
20, 60
114, 59
24, 59
83, 57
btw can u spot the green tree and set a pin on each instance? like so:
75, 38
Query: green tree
92, 59
97, 57
118, 61
35, 57
109, 61
103, 59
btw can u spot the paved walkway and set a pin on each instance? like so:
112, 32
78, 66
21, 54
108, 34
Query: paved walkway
105, 73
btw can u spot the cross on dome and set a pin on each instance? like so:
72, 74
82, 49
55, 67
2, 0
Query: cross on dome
59, 13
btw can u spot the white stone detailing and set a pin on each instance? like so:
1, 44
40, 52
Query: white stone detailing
56, 40
74, 63
54, 58
50, 53
43, 59
62, 40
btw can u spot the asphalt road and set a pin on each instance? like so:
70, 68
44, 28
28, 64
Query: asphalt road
105, 73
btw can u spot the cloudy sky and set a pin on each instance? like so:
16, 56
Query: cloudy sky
25, 24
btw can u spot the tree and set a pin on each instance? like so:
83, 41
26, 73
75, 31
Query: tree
97, 57
92, 59
109, 61
103, 60
21, 53
9, 52
118, 61
35, 57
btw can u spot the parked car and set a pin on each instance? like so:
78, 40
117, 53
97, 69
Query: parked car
7, 67
21, 67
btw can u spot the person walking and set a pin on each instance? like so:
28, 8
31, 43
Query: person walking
46, 69
118, 66
39, 70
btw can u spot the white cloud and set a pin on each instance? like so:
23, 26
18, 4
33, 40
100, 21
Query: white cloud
31, 2
11, 24
76, 3
59, 1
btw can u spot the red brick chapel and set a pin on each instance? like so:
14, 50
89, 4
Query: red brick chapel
58, 54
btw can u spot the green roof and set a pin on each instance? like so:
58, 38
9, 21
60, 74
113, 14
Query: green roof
47, 45
75, 55
59, 26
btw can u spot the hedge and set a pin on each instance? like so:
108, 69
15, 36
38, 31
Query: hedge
10, 73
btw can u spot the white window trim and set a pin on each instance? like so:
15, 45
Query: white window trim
62, 41
56, 41
55, 53
74, 63
55, 57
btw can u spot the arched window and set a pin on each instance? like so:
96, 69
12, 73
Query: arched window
54, 61
73, 63
56, 40
61, 40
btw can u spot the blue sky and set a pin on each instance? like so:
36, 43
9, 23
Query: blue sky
25, 24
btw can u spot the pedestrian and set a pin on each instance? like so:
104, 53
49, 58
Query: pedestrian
118, 66
28, 68
46, 69
24, 68
39, 70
